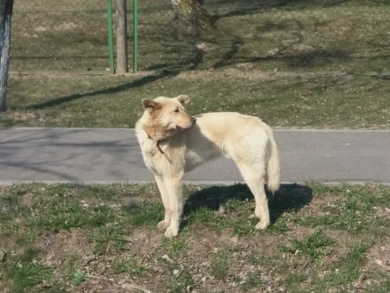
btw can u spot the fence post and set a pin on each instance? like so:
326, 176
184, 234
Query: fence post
121, 37
135, 35
110, 36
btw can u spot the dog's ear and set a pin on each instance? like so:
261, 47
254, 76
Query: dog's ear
150, 105
183, 99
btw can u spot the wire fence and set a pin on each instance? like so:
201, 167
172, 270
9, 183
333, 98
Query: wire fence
59, 35
284, 35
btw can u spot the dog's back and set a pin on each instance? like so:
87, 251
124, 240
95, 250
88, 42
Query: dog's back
245, 139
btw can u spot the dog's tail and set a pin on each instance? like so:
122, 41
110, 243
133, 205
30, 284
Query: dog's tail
273, 172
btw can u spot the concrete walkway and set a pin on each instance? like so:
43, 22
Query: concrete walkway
113, 155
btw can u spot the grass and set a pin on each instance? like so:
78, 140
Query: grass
27, 272
284, 61
176, 245
309, 245
78, 277
315, 100
131, 267
347, 269
313, 45
322, 238
348, 213
220, 264
107, 240
252, 283
286, 34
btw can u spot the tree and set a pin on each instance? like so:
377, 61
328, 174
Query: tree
192, 16
5, 44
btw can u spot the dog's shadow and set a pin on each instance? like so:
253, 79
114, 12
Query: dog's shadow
289, 198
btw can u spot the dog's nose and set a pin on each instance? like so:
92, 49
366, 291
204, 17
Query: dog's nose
193, 120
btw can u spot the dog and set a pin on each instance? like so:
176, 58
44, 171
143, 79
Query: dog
173, 142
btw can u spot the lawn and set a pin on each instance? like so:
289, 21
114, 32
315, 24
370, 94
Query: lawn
292, 63
323, 100
285, 34
62, 238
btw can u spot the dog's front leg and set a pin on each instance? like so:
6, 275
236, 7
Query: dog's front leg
164, 224
175, 195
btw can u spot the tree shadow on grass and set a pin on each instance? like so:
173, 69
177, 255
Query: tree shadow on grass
289, 198
244, 7
111, 90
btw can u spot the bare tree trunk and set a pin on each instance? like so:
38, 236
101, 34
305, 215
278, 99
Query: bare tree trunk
192, 15
121, 36
5, 44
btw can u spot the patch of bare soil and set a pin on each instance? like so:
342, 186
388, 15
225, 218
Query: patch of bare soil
9, 245
318, 203
379, 256
4, 188
27, 200
21, 116
206, 244
382, 212
40, 116
143, 246
54, 248
300, 232
145, 241
167, 269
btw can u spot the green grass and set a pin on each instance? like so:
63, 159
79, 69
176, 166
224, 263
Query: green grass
148, 214
351, 212
183, 283
299, 35
25, 272
309, 245
176, 245
63, 237
316, 100
235, 69
220, 264
131, 267
78, 277
347, 269
252, 282
66, 216
107, 240
29, 275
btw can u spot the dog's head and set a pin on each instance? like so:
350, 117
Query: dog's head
166, 116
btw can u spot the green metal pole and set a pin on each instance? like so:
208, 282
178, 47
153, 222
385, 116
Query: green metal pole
110, 36
135, 35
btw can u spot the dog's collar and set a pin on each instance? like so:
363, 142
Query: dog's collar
157, 143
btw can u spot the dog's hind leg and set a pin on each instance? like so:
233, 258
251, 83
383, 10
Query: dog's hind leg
164, 224
255, 178
175, 194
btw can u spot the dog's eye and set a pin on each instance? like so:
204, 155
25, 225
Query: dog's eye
177, 110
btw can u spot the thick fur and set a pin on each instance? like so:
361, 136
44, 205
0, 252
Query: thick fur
173, 142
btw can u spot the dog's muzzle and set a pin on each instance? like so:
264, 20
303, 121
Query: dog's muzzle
193, 122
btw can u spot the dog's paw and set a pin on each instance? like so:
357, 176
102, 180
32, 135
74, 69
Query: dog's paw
163, 225
251, 216
262, 225
170, 232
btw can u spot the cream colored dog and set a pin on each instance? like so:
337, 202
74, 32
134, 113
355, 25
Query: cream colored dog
173, 142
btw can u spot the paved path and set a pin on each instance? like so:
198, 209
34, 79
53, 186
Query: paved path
108, 155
